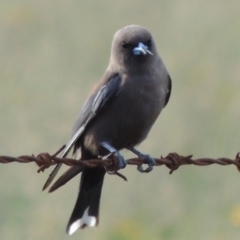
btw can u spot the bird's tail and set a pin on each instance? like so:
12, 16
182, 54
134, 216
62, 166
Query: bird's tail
86, 210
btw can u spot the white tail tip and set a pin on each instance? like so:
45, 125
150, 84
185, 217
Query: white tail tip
86, 220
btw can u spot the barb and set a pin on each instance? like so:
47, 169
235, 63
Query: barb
173, 161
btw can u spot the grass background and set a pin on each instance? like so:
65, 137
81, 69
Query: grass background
52, 53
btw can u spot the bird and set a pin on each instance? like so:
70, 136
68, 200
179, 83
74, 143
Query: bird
118, 114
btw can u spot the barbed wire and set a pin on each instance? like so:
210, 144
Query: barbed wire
173, 161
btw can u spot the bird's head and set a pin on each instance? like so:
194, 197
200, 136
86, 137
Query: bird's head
133, 44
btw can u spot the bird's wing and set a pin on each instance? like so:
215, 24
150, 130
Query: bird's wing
92, 107
169, 90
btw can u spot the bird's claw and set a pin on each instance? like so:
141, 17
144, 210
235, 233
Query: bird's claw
149, 160
121, 161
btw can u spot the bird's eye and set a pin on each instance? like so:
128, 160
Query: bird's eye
149, 42
125, 45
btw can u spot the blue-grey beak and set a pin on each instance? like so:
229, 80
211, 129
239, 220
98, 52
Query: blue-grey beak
141, 49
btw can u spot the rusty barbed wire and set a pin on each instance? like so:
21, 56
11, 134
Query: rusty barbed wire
173, 161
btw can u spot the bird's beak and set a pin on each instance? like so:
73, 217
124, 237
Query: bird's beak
141, 49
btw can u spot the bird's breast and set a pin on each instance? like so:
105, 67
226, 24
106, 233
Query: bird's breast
129, 117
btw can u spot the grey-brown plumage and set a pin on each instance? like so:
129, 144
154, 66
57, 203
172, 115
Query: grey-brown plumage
118, 113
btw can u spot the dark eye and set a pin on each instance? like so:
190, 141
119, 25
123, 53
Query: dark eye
125, 45
149, 42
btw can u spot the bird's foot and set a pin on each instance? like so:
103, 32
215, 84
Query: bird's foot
149, 160
121, 161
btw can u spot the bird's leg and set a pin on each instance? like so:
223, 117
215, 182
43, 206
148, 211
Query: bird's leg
150, 161
121, 161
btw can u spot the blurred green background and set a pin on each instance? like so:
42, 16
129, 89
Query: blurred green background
52, 53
